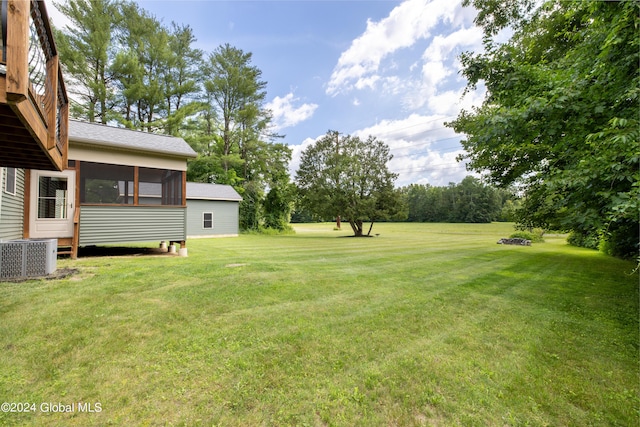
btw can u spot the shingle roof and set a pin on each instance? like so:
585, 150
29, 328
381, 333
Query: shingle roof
109, 136
202, 191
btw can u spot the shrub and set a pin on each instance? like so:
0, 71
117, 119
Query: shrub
584, 240
534, 235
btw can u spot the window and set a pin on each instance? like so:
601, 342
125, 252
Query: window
10, 181
52, 197
106, 184
207, 220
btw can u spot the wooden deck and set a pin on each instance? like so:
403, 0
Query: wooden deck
34, 108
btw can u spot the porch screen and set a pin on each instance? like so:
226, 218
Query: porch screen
106, 184
159, 187
102, 183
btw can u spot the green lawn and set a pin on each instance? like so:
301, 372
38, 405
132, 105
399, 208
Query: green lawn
426, 324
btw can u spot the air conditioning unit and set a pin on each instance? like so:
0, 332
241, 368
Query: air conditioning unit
28, 258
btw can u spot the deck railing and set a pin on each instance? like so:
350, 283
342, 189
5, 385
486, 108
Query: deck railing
30, 61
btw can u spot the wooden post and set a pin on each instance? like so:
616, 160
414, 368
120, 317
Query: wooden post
18, 12
136, 185
184, 188
76, 214
64, 131
51, 102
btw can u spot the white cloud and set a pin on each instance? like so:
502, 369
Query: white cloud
286, 114
440, 63
424, 150
441, 47
407, 23
296, 154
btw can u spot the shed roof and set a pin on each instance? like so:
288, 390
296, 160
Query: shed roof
113, 137
203, 191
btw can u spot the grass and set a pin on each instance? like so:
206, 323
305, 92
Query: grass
426, 324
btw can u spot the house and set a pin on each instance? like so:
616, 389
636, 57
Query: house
82, 183
212, 210
120, 186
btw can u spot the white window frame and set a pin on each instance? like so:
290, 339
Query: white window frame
6, 188
204, 220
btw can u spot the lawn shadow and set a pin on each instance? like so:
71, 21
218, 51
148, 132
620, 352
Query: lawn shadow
111, 251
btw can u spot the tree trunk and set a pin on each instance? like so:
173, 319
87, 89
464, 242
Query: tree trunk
370, 227
356, 226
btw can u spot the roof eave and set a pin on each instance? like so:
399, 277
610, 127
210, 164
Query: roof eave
128, 148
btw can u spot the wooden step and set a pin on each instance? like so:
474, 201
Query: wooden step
65, 241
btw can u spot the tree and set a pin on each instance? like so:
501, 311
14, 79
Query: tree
231, 134
182, 78
144, 58
560, 118
347, 176
86, 49
237, 93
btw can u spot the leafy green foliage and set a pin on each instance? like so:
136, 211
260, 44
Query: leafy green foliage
560, 117
278, 205
584, 240
469, 201
349, 177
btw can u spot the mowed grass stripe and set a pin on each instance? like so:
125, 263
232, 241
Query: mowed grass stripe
425, 324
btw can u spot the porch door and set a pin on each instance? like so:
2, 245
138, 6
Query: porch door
52, 204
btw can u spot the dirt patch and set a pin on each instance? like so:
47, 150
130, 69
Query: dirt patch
60, 273
235, 265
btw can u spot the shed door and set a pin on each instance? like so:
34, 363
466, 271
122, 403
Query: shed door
52, 204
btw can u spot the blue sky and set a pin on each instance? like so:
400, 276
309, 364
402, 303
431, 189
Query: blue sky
382, 68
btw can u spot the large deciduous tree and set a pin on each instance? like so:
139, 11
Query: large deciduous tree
348, 177
560, 117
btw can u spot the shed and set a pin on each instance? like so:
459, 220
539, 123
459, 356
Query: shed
212, 210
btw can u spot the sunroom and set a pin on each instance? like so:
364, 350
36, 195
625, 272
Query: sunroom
121, 186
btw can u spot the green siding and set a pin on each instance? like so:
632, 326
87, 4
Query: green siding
225, 218
118, 224
12, 208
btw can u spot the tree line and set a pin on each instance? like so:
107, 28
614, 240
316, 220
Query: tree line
470, 201
124, 66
